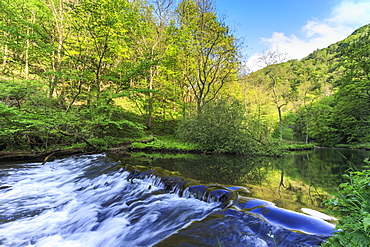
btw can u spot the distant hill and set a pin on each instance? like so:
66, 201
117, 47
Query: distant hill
301, 92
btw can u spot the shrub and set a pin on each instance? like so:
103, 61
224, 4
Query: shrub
219, 126
352, 206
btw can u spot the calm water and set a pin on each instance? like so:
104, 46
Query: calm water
107, 200
302, 179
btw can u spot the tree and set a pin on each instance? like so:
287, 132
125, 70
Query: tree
56, 33
311, 86
259, 108
153, 35
324, 126
209, 52
279, 85
23, 38
353, 95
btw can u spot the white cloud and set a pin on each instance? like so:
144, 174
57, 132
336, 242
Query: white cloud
352, 13
343, 20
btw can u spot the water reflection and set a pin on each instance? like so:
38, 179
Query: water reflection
300, 180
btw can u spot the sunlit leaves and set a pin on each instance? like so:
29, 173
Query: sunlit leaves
209, 52
352, 205
220, 126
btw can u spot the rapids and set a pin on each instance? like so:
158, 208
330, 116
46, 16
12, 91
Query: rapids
93, 201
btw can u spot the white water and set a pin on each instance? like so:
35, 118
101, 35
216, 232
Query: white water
91, 201
78, 202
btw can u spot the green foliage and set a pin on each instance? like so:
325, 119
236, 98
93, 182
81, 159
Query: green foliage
220, 127
165, 142
70, 61
288, 124
297, 146
352, 205
109, 120
209, 57
328, 91
29, 120
353, 95
323, 125
343, 117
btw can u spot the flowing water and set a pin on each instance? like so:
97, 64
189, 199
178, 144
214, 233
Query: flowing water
102, 200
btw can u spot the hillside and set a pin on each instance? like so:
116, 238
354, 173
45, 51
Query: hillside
322, 98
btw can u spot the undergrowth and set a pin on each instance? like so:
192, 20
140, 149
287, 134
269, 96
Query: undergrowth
166, 142
352, 206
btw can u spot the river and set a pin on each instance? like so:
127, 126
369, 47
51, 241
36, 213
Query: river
171, 200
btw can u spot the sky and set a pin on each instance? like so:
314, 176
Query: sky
294, 27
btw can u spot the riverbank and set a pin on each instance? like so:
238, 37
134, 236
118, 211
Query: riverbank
41, 156
357, 146
149, 144
161, 144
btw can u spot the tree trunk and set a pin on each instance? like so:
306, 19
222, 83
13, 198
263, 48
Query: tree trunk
150, 103
26, 56
306, 132
28, 46
280, 122
5, 54
99, 68
57, 58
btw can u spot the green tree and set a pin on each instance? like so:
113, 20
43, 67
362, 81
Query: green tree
56, 32
261, 114
280, 85
22, 36
278, 75
324, 127
209, 55
153, 41
97, 26
311, 87
219, 127
353, 96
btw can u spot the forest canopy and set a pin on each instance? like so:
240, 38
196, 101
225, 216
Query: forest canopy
96, 73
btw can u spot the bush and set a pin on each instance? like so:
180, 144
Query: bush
352, 205
36, 122
219, 127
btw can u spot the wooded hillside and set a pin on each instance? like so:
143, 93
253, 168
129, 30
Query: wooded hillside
323, 98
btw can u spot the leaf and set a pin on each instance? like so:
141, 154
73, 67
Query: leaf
366, 222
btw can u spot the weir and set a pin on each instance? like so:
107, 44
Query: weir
93, 201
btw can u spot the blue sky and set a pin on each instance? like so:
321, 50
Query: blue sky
296, 27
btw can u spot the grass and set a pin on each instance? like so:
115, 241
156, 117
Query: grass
171, 143
354, 146
163, 155
165, 142
296, 146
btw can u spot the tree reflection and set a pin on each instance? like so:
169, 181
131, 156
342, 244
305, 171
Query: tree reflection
293, 181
